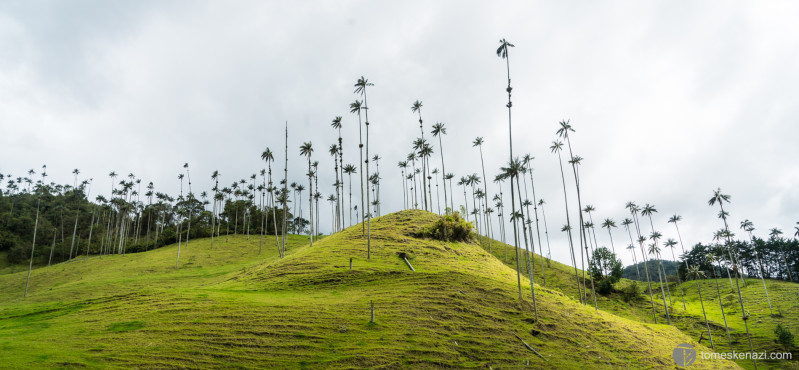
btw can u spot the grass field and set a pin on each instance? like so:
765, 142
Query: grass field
232, 307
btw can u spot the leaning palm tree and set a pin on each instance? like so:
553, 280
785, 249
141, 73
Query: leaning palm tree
478, 142
360, 88
695, 274
557, 147
720, 198
748, 226
439, 130
306, 149
626, 223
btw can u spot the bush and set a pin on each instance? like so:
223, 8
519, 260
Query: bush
451, 227
784, 336
630, 292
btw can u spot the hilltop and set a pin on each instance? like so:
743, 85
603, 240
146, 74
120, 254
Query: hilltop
229, 306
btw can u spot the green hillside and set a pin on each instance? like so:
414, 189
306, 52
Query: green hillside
784, 301
229, 306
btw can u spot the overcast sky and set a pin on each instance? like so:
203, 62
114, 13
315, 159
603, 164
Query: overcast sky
669, 99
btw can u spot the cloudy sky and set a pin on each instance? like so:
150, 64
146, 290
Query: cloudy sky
670, 99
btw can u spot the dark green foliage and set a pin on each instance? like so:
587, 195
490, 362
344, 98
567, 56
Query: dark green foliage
606, 269
775, 253
784, 336
670, 267
630, 292
451, 227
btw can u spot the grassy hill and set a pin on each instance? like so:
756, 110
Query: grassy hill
232, 307
784, 301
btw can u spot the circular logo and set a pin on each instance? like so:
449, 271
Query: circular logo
684, 355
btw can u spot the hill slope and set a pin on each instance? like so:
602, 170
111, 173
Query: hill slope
232, 307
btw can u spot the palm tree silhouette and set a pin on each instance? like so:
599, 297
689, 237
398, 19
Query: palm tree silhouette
655, 251
356, 107
710, 258
609, 223
478, 142
340, 189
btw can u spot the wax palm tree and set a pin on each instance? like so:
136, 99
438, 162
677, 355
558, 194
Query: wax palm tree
634, 209
439, 130
626, 223
478, 142
748, 226
307, 149
608, 224
648, 210
527, 161
337, 125
334, 153
655, 251
33, 245
356, 107
464, 180
671, 243
360, 88
720, 198
695, 274
349, 169
419, 145
710, 258
541, 203
269, 157
557, 147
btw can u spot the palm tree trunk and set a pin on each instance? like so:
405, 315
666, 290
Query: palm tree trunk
721, 305
443, 171
646, 267
699, 288
33, 247
529, 256
568, 230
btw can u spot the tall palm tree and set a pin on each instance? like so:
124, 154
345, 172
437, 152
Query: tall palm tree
439, 130
720, 198
563, 132
655, 236
191, 196
557, 147
269, 157
748, 226
402, 166
464, 180
417, 108
527, 161
710, 258
285, 195
655, 251
671, 243
541, 203
306, 149
33, 245
608, 224
349, 169
695, 274
626, 223
478, 142
334, 153
360, 88
356, 107
340, 189
634, 209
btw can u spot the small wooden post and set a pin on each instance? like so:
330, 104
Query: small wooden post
372, 304
350, 263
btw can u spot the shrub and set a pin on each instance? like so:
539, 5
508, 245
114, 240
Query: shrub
784, 336
631, 292
451, 227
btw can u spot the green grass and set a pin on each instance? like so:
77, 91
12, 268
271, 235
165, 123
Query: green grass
784, 300
232, 307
